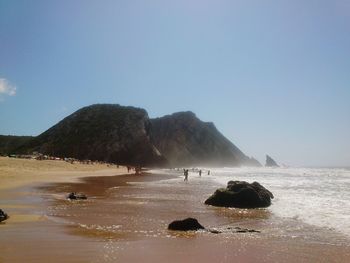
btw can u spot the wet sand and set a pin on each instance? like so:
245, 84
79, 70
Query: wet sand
126, 219
28, 231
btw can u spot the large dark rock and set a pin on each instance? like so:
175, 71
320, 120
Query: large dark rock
241, 194
3, 216
270, 162
185, 225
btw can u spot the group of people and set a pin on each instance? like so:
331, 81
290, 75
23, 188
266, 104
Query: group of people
137, 169
186, 173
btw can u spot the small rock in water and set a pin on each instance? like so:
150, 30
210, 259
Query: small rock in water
185, 225
3, 215
75, 196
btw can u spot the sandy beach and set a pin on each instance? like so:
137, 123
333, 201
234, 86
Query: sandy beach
126, 216
19, 176
19, 172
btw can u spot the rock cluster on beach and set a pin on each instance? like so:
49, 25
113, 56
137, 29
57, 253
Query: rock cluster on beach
241, 194
126, 135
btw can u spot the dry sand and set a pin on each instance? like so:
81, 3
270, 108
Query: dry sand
20, 172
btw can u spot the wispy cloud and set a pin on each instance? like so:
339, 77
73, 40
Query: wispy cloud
6, 88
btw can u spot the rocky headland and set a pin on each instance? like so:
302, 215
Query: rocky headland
186, 140
126, 135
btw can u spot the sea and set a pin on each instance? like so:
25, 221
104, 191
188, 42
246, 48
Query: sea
316, 196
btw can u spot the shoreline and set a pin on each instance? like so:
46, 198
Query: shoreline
125, 220
20, 177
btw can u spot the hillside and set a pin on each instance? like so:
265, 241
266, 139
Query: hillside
126, 135
185, 140
9, 144
104, 132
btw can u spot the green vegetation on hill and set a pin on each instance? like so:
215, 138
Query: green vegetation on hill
104, 132
9, 144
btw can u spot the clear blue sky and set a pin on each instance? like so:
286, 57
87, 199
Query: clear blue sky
274, 76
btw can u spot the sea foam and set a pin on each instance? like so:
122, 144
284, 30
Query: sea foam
319, 197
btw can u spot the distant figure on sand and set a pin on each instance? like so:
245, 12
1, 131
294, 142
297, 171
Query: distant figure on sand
128, 167
186, 174
208, 172
138, 170
200, 172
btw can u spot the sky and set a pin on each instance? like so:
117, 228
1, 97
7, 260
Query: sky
274, 76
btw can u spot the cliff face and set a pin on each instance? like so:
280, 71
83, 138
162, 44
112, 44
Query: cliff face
185, 140
104, 132
126, 135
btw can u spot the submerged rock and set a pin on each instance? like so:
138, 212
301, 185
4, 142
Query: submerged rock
192, 224
238, 229
3, 215
185, 225
270, 162
241, 194
214, 231
75, 196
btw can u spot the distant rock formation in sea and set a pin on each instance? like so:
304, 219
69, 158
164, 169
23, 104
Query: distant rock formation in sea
270, 162
126, 135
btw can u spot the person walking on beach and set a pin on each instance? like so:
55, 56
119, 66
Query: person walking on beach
208, 172
186, 174
200, 172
